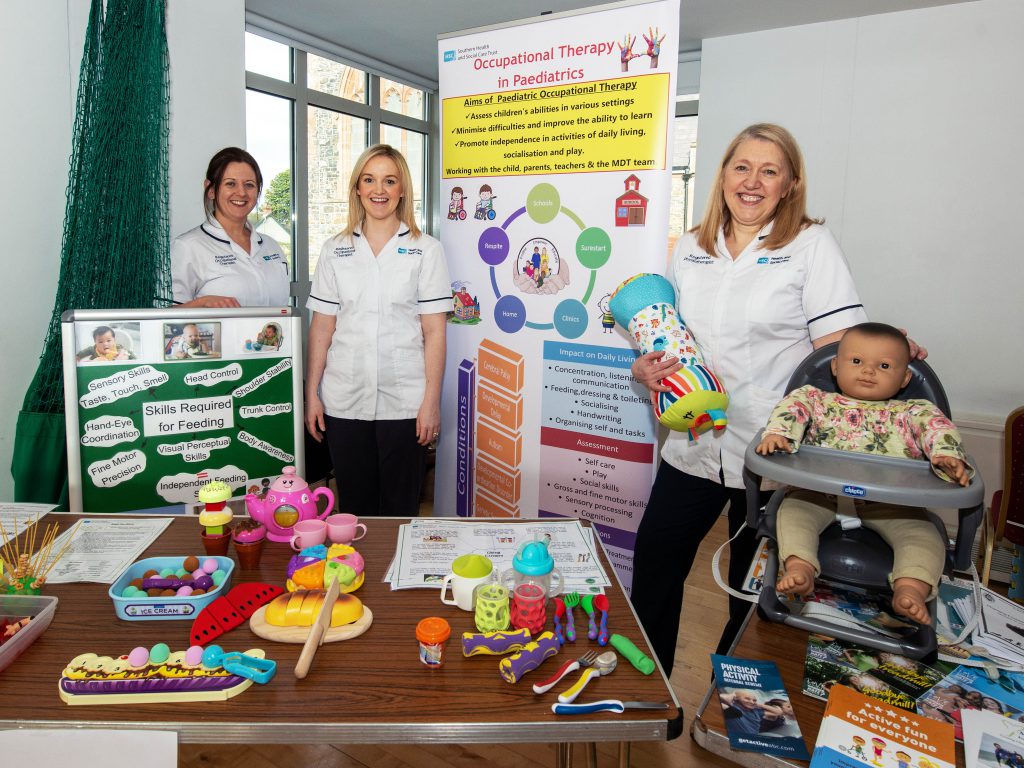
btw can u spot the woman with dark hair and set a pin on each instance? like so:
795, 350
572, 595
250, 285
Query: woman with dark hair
761, 284
377, 342
223, 262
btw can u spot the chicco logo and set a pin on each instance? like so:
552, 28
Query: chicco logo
854, 490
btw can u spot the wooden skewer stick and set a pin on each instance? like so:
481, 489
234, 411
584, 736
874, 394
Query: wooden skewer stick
316, 632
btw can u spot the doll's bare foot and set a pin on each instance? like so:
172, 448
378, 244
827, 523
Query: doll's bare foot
797, 579
910, 599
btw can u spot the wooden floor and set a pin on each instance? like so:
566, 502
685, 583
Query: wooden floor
690, 679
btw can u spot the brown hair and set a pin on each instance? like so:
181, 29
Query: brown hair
219, 164
790, 216
356, 213
881, 330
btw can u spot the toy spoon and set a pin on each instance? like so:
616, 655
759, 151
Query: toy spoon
601, 603
587, 601
559, 615
603, 665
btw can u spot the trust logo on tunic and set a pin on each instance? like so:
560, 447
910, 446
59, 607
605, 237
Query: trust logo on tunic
763, 260
272, 257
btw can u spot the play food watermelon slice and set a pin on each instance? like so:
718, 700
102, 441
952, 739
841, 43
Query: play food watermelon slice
227, 612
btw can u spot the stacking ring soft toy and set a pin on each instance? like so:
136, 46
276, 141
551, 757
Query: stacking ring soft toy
645, 306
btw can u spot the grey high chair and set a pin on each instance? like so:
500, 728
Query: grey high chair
859, 557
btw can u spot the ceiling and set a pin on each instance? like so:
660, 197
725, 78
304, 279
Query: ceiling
404, 34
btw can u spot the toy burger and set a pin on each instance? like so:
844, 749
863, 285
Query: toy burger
315, 568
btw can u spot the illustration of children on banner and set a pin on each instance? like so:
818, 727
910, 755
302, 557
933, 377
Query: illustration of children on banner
485, 206
538, 268
456, 209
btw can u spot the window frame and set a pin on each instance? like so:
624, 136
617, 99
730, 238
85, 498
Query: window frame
302, 98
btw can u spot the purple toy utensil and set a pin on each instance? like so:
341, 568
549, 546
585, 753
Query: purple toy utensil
587, 601
571, 601
601, 603
559, 615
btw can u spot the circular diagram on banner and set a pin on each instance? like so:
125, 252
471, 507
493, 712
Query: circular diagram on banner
538, 269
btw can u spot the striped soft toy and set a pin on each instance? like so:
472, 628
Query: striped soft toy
645, 305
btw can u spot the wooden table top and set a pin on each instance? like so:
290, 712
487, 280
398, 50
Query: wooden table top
787, 647
371, 689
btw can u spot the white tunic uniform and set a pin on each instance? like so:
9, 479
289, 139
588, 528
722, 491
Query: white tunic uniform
753, 319
206, 262
375, 364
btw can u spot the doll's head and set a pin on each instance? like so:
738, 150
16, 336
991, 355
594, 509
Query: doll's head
872, 362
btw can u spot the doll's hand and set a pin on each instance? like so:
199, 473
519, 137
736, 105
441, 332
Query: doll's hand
953, 467
651, 368
771, 443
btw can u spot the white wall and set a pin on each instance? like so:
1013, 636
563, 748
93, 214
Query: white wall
40, 53
911, 125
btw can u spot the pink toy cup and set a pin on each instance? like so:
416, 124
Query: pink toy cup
529, 608
308, 533
342, 528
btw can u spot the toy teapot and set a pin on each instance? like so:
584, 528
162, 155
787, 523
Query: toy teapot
288, 500
533, 564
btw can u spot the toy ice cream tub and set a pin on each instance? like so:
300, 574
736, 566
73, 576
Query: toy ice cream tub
162, 588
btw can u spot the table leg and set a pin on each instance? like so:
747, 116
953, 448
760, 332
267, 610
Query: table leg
624, 754
563, 755
592, 754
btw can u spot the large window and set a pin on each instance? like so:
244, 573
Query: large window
308, 119
684, 163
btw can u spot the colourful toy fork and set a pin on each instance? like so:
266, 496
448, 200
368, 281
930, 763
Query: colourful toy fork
572, 599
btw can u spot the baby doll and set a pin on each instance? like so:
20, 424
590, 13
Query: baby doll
870, 368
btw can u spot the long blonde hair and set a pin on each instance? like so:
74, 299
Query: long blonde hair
404, 212
791, 213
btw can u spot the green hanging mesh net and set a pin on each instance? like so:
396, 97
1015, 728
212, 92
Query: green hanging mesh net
114, 252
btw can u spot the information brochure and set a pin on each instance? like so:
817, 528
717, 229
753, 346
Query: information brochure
426, 548
967, 688
887, 677
858, 731
102, 548
992, 741
757, 711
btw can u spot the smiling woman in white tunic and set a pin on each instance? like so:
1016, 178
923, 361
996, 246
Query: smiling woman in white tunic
377, 342
223, 262
760, 284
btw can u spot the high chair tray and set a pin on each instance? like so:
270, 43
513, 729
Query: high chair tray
863, 476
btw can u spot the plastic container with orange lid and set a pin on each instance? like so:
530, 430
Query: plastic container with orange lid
432, 633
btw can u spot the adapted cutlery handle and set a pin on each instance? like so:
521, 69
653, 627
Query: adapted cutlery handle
602, 635
608, 705
565, 669
570, 694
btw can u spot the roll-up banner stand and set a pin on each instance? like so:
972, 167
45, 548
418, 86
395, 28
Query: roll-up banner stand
161, 401
556, 179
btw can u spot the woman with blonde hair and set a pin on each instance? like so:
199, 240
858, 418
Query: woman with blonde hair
760, 284
377, 342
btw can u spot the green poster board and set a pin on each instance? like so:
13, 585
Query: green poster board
160, 402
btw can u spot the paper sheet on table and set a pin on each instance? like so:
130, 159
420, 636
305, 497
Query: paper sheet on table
17, 517
426, 548
75, 746
103, 548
